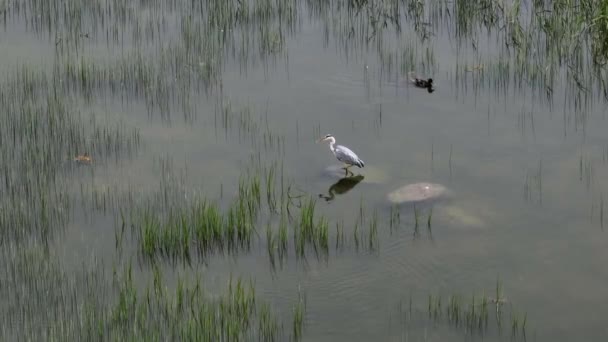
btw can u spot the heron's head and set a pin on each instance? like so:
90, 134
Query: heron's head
327, 137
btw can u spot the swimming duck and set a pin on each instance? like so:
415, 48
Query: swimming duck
421, 82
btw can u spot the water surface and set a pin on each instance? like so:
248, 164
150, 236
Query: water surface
526, 179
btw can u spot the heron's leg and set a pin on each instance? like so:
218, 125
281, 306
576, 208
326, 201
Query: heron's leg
347, 168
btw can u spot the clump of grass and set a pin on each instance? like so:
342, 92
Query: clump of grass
453, 309
188, 313
416, 222
311, 233
43, 300
356, 237
83, 305
268, 325
298, 317
373, 232
473, 316
395, 218
170, 227
434, 306
271, 245
340, 238
176, 69
283, 234
240, 123
369, 242
533, 184
270, 191
200, 224
598, 28
518, 325
44, 126
586, 171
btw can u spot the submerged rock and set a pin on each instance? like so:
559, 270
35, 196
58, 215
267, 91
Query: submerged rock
462, 217
417, 192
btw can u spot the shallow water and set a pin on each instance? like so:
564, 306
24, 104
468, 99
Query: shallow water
544, 240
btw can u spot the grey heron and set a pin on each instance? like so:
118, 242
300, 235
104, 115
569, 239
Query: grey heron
343, 153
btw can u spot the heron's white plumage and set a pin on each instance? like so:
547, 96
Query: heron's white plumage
343, 153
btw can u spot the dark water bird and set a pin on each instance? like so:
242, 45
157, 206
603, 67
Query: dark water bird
343, 154
421, 82
342, 186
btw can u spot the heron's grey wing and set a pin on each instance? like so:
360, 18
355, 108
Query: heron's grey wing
345, 155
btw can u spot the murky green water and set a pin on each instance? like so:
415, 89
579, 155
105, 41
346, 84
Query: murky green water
525, 174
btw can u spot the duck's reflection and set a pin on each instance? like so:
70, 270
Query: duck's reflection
342, 186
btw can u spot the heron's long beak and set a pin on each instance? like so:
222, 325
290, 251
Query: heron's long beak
320, 140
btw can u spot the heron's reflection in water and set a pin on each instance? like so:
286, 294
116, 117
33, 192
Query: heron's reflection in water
342, 186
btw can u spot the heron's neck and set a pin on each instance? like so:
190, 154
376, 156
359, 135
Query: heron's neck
331, 145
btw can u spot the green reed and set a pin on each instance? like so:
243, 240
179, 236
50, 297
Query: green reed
395, 218
472, 315
340, 238
309, 232
188, 313
298, 317
201, 225
48, 131
373, 232
271, 245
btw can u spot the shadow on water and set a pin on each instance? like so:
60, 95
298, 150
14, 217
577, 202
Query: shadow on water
341, 187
